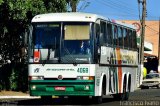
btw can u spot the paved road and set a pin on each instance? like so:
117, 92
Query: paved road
146, 97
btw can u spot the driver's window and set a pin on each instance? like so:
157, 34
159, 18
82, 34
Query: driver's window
97, 33
103, 35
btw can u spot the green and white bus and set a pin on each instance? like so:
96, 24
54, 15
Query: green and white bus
81, 54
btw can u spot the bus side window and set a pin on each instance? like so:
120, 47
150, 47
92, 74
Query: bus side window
97, 34
97, 43
125, 37
130, 39
120, 36
134, 40
109, 34
115, 35
105, 33
102, 38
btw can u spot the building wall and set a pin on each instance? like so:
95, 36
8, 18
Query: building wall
151, 33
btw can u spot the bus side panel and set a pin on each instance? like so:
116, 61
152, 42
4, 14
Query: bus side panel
119, 62
130, 71
99, 74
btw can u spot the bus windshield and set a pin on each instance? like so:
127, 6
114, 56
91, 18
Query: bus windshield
76, 43
69, 43
46, 36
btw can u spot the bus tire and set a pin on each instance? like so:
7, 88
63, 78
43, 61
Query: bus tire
122, 96
99, 99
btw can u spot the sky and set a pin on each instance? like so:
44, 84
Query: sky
121, 9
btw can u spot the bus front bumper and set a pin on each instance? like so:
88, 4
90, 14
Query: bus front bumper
61, 87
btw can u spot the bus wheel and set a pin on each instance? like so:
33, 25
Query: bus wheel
99, 99
122, 96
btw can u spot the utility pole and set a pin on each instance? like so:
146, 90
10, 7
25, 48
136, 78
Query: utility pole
143, 32
142, 21
159, 49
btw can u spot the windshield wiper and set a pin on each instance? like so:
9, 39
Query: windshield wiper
67, 51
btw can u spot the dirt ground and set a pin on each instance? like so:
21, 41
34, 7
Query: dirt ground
13, 93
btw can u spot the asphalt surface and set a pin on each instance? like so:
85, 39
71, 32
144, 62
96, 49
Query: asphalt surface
145, 97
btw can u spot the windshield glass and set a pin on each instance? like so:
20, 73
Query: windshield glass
151, 76
45, 43
76, 43
67, 42
47, 36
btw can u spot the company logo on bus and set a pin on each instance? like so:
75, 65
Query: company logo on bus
60, 77
36, 70
36, 56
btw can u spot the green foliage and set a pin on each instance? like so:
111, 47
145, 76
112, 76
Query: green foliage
15, 17
1, 1
13, 80
19, 9
59, 4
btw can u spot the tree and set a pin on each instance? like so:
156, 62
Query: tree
15, 17
1, 1
72, 4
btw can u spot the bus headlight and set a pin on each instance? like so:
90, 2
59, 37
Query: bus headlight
36, 78
33, 87
86, 87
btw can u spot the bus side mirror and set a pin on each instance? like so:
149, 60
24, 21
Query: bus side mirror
25, 38
28, 35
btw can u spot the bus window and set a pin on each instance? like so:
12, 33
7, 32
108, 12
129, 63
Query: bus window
109, 34
134, 40
120, 36
125, 37
97, 34
76, 32
130, 39
103, 33
115, 35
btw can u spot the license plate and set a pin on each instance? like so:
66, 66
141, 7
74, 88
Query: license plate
60, 88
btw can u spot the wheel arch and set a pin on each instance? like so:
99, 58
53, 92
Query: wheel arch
124, 80
103, 83
128, 82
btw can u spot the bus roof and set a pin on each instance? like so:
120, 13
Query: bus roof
67, 17
74, 16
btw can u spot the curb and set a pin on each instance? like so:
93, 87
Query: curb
16, 97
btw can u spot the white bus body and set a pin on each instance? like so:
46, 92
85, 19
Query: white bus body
106, 66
